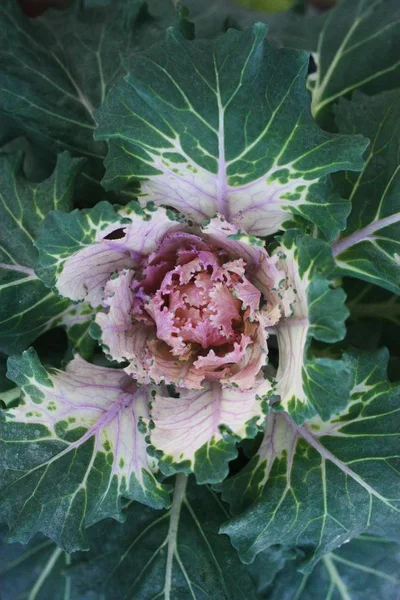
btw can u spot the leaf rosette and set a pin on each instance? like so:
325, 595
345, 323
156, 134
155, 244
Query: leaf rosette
176, 304
192, 306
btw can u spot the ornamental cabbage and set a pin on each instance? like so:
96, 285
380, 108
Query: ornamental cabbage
193, 219
193, 307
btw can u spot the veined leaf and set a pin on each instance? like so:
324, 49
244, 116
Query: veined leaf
225, 127
309, 385
56, 69
364, 34
73, 245
71, 450
367, 565
38, 571
173, 555
198, 431
27, 307
319, 485
370, 247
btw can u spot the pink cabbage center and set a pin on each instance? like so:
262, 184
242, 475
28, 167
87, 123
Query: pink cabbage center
202, 305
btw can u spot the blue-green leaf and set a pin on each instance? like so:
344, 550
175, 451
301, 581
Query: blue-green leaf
367, 565
169, 555
369, 248
38, 571
225, 127
319, 485
71, 449
358, 49
27, 307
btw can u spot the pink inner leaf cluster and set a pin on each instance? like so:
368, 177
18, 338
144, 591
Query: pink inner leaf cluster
193, 309
190, 313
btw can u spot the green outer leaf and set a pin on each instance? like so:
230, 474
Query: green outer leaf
62, 235
367, 565
369, 249
309, 385
69, 60
37, 571
358, 49
267, 565
27, 308
173, 555
225, 127
319, 485
71, 449
76, 256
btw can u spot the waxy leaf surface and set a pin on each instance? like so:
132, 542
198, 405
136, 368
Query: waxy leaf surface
37, 571
367, 565
56, 69
27, 307
225, 127
358, 48
72, 449
170, 555
319, 485
370, 247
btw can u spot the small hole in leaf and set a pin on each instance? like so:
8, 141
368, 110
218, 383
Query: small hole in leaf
312, 66
117, 234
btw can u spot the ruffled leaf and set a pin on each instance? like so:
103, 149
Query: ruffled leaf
319, 485
157, 316
308, 384
71, 450
225, 127
289, 28
78, 252
197, 431
369, 249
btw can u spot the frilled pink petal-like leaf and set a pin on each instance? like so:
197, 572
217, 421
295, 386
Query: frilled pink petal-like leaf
221, 364
190, 314
164, 367
85, 274
76, 450
256, 356
196, 303
86, 247
197, 432
225, 309
120, 337
266, 275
